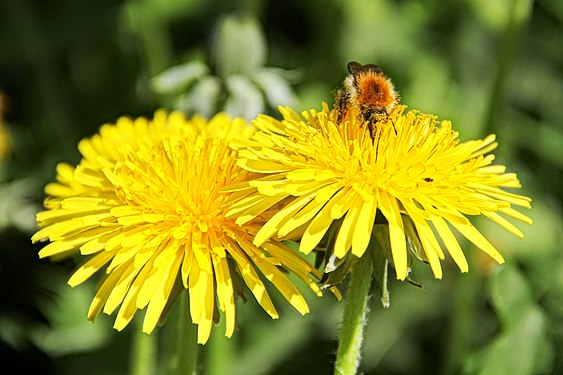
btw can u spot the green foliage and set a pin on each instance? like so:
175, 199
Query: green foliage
522, 345
490, 66
234, 79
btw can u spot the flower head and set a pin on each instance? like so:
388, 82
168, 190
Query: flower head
413, 174
145, 204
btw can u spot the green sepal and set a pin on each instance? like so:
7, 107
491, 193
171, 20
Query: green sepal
413, 241
337, 269
415, 282
380, 234
380, 271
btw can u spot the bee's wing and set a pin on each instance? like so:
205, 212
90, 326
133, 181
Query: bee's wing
374, 68
354, 67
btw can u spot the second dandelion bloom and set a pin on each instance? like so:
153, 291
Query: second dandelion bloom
331, 176
145, 207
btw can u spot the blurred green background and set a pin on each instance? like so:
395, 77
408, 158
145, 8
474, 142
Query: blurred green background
68, 66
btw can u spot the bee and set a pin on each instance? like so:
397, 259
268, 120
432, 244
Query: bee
368, 92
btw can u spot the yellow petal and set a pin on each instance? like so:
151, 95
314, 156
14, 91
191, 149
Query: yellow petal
165, 282
119, 291
284, 285
427, 239
363, 227
515, 214
390, 210
225, 294
206, 321
280, 218
344, 238
504, 223
505, 196
89, 268
261, 166
341, 205
319, 225
253, 282
257, 208
301, 217
473, 235
102, 295
128, 307
451, 243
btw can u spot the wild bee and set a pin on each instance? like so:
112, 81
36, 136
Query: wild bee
368, 92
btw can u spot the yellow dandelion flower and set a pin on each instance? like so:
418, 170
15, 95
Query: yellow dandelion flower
145, 204
414, 175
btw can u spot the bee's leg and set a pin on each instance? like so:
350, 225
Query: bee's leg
394, 127
374, 136
371, 118
372, 129
341, 104
382, 117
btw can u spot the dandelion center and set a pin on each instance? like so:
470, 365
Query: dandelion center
167, 182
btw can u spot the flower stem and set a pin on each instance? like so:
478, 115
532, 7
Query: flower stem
179, 344
520, 14
462, 320
354, 319
144, 352
186, 344
220, 352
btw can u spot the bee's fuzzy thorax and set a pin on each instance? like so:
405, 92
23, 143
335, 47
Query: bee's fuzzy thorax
373, 91
368, 93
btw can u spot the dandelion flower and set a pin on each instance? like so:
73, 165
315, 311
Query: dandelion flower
145, 204
413, 174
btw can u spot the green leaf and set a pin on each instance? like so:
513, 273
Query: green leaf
16, 206
523, 346
70, 331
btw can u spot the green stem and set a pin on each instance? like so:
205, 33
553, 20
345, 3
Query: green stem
520, 13
462, 323
219, 352
179, 340
49, 85
151, 29
186, 345
354, 319
144, 352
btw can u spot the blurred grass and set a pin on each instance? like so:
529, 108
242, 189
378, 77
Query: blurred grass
68, 66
